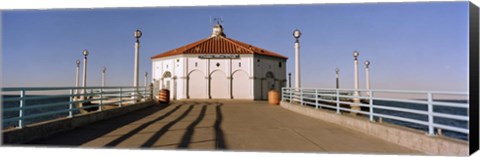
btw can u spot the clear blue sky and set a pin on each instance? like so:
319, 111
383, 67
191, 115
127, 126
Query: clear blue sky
420, 46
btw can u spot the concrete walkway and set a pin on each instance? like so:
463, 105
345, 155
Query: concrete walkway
227, 125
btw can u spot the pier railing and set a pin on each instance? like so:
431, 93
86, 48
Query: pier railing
430, 111
21, 106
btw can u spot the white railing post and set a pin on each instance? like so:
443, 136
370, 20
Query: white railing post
291, 95
370, 94
316, 98
101, 99
20, 112
145, 94
70, 105
283, 94
151, 91
301, 97
430, 114
338, 101
120, 96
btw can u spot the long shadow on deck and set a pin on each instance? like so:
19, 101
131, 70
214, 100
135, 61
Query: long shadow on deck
93, 131
219, 139
165, 128
219, 136
140, 128
187, 137
83, 135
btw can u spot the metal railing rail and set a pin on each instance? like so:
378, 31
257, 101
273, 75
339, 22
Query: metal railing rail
97, 97
336, 98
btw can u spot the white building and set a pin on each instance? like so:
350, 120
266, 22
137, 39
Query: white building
218, 67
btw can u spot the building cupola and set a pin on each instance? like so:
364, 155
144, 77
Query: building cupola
217, 30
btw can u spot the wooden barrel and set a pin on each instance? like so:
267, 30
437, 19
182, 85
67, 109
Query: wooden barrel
164, 96
273, 97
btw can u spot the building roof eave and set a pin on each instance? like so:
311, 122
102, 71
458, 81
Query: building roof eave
218, 45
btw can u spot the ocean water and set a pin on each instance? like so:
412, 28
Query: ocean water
10, 114
422, 107
440, 109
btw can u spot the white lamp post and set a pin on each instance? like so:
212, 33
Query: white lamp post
146, 79
289, 80
367, 75
137, 35
77, 77
297, 34
85, 54
103, 76
336, 78
356, 93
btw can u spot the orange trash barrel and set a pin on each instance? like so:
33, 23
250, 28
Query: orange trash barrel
273, 97
164, 96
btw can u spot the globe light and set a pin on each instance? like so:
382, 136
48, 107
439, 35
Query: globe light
355, 53
297, 33
337, 70
138, 34
78, 62
85, 53
367, 63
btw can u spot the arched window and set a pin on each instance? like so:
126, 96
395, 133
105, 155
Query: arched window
167, 74
269, 75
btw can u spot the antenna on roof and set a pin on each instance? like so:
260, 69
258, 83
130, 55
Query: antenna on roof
218, 20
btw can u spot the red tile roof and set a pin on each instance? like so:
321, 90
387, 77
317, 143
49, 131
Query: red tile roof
218, 45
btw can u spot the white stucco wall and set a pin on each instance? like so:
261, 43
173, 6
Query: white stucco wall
241, 85
193, 77
198, 82
264, 65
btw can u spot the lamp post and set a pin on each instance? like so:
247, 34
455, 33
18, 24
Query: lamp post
336, 77
356, 83
137, 35
367, 75
146, 79
296, 35
289, 80
85, 54
77, 77
103, 76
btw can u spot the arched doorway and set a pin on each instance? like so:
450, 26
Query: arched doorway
240, 85
219, 85
268, 83
197, 85
167, 83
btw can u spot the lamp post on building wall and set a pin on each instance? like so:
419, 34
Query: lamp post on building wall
103, 76
77, 77
367, 75
137, 35
297, 34
356, 82
85, 54
336, 78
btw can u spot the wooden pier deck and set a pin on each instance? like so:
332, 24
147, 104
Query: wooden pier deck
222, 125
